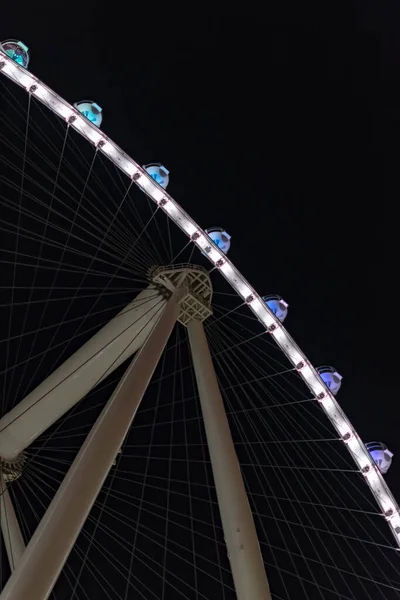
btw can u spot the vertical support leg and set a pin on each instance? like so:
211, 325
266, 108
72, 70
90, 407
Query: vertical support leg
237, 521
13, 540
55, 536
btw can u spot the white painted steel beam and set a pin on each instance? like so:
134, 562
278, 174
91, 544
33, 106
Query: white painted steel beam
69, 383
237, 520
50, 545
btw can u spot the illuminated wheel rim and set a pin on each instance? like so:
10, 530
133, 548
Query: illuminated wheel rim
220, 262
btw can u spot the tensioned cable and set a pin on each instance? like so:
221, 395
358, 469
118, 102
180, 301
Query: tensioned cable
312, 417
89, 359
178, 365
125, 519
143, 487
36, 516
279, 467
114, 558
39, 254
44, 158
122, 243
94, 327
65, 298
100, 295
76, 292
95, 384
21, 191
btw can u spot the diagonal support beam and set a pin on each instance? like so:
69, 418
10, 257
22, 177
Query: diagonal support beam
237, 521
69, 383
49, 547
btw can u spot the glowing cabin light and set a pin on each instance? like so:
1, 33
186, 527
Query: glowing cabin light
158, 172
277, 305
381, 455
92, 111
220, 237
17, 51
331, 378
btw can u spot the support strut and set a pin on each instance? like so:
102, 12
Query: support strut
47, 551
237, 520
69, 383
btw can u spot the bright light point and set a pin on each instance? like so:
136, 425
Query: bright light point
171, 209
147, 185
189, 227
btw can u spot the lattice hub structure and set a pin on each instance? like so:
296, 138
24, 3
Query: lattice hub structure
12, 469
195, 302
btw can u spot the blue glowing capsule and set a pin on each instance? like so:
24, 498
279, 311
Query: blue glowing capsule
220, 237
277, 305
381, 455
159, 173
92, 111
331, 378
17, 51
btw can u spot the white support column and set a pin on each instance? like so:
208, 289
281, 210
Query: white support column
12, 536
69, 383
237, 521
55, 536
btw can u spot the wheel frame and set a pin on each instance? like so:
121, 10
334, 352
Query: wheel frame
330, 406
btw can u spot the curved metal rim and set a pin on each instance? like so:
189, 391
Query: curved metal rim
24, 49
326, 369
218, 259
272, 297
85, 102
378, 446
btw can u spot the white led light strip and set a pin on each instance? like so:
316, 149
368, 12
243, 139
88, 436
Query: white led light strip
330, 406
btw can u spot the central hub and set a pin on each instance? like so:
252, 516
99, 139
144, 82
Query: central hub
12, 469
195, 283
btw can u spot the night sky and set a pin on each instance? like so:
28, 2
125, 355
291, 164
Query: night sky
284, 130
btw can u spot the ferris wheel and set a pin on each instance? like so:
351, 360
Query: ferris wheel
218, 463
